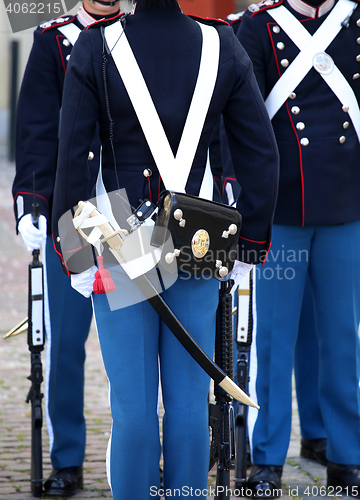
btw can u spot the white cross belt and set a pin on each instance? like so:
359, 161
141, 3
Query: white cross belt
313, 55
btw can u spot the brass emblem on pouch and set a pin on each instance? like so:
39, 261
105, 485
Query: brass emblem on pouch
200, 243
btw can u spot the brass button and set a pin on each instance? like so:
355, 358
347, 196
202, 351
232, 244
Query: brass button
280, 45
358, 22
292, 95
342, 139
300, 125
68, 57
284, 63
295, 110
304, 141
276, 29
346, 124
356, 76
66, 42
58, 239
345, 109
358, 58
358, 40
91, 155
147, 172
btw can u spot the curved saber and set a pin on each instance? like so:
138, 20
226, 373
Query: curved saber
114, 240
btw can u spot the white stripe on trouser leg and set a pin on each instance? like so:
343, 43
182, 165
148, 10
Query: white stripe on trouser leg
47, 347
253, 412
108, 448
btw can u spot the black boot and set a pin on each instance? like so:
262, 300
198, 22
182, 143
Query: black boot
345, 479
314, 449
64, 482
265, 481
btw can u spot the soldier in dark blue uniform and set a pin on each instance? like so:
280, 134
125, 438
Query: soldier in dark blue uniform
167, 46
306, 59
67, 314
313, 440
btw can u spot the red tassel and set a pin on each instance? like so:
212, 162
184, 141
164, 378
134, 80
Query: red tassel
103, 281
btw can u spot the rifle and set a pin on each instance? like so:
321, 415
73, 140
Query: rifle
36, 341
243, 342
221, 413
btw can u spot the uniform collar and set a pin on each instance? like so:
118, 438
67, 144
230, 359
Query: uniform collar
161, 8
84, 17
310, 11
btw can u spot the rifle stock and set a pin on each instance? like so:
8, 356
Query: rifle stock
36, 341
221, 413
243, 343
241, 423
35, 397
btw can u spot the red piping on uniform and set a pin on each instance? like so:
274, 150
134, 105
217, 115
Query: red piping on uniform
296, 135
62, 59
301, 168
210, 19
225, 181
32, 194
75, 249
273, 46
266, 7
102, 20
267, 253
61, 257
59, 24
253, 241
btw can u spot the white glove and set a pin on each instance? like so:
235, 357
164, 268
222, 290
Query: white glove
31, 235
239, 271
83, 282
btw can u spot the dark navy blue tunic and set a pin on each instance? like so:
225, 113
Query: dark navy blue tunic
167, 45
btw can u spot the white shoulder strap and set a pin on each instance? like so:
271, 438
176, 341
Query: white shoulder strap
71, 31
174, 171
207, 185
310, 47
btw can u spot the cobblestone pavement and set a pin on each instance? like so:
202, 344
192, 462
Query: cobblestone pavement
301, 478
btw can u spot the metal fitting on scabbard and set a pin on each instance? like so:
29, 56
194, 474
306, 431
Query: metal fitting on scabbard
19, 328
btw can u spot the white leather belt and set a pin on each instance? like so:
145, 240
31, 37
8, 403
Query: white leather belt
313, 55
174, 171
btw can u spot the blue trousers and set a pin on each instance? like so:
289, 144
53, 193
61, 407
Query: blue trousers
330, 256
306, 373
66, 334
135, 345
306, 368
